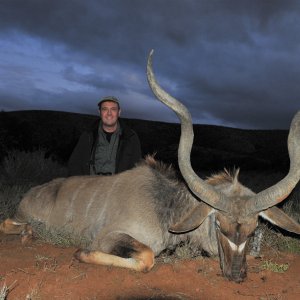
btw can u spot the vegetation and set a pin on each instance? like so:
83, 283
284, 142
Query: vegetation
276, 241
19, 171
274, 267
62, 237
4, 290
29, 168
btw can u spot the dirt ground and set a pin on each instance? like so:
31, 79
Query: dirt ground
43, 271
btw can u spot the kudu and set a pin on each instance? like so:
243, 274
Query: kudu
131, 217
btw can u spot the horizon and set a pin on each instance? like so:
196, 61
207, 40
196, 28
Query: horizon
138, 119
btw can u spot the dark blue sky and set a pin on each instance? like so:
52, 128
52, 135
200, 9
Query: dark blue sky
233, 63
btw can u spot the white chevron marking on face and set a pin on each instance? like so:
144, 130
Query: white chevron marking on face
234, 247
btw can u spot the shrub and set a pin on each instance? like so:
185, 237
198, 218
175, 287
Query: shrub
19, 171
10, 197
274, 267
21, 167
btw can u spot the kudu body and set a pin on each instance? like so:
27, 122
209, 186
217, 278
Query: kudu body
131, 217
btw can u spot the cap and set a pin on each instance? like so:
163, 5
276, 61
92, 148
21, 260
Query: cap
109, 98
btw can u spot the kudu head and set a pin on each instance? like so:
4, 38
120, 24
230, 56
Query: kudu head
236, 209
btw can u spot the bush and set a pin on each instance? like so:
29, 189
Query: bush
10, 197
21, 167
20, 171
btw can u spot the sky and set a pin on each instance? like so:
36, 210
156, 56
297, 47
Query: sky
233, 63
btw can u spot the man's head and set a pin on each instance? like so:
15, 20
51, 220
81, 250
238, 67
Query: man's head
110, 111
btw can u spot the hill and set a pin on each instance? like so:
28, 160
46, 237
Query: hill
214, 147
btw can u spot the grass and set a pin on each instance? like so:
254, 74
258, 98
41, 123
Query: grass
273, 237
4, 291
291, 206
288, 244
46, 263
33, 295
183, 251
21, 167
274, 267
10, 196
62, 237
274, 241
21, 170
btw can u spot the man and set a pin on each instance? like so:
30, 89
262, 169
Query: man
110, 148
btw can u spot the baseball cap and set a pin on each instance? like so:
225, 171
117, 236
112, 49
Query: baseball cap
109, 98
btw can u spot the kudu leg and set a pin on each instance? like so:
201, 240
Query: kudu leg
124, 252
10, 226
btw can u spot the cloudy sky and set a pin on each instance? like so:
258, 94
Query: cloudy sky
231, 62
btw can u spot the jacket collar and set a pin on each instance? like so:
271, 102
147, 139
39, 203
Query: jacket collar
125, 130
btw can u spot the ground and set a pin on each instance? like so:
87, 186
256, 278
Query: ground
43, 271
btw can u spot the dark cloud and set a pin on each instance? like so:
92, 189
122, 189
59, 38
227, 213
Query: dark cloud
232, 62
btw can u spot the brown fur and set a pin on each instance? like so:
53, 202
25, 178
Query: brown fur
224, 177
164, 169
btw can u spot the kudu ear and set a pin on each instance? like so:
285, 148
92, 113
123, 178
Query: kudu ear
192, 219
277, 217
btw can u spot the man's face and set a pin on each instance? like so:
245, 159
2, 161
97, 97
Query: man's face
109, 113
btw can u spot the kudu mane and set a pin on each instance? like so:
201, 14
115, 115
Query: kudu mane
166, 170
225, 176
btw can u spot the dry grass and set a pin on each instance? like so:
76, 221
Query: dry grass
62, 237
274, 267
20, 171
4, 291
46, 263
21, 167
33, 295
183, 251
